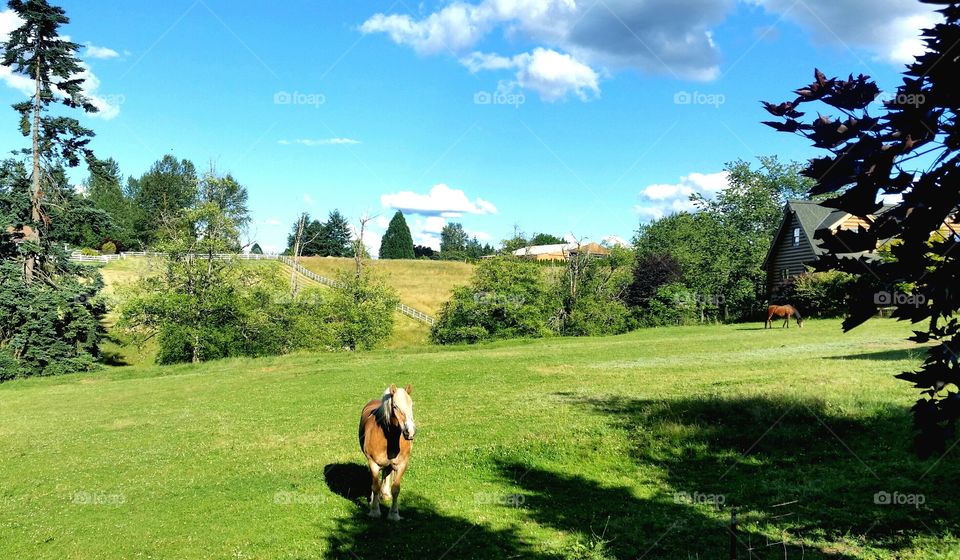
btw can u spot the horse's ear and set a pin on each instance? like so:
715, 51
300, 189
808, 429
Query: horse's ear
409, 388
393, 389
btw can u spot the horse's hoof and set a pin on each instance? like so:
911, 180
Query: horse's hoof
373, 514
394, 516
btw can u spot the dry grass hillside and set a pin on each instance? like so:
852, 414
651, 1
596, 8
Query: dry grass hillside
421, 284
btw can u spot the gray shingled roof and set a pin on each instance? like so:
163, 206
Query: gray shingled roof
812, 216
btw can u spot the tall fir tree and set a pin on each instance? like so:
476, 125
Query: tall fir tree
397, 243
36, 50
50, 315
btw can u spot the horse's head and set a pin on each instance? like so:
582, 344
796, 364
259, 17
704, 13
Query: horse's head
403, 410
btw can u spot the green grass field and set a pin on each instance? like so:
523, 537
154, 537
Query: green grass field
525, 450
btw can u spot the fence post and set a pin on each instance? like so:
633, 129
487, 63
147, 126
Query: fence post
733, 534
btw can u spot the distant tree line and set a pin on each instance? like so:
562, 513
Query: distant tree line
331, 238
707, 265
688, 267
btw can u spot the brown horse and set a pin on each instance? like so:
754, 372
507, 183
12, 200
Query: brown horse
785, 311
382, 423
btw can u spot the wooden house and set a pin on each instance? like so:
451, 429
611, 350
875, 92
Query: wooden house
794, 247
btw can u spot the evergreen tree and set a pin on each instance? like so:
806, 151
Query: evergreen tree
49, 310
310, 238
256, 249
36, 50
335, 239
397, 242
105, 191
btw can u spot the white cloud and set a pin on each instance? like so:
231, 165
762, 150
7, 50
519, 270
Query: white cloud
434, 224
890, 29
321, 142
480, 235
441, 201
551, 74
272, 222
571, 39
661, 199
308, 200
107, 105
102, 53
615, 241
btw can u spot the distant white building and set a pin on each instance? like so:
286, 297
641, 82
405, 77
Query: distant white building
561, 251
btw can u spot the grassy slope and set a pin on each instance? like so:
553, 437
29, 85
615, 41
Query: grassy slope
407, 332
259, 459
422, 284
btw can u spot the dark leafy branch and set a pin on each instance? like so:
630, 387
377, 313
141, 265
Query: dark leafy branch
912, 150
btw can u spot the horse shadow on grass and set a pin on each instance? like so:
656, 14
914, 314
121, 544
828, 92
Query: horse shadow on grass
422, 533
809, 481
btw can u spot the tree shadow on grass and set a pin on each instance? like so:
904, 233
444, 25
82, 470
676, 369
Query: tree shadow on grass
840, 472
112, 358
422, 533
912, 354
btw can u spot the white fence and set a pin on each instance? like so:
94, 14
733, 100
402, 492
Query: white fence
405, 309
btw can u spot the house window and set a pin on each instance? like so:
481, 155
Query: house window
785, 274
796, 237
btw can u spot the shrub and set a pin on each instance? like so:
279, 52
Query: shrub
507, 298
818, 294
89, 252
673, 304
360, 311
109, 248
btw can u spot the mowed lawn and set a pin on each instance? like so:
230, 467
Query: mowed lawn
525, 450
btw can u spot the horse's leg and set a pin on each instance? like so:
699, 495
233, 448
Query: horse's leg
786, 321
374, 489
398, 471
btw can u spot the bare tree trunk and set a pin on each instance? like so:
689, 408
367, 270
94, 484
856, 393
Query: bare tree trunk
36, 192
358, 247
296, 259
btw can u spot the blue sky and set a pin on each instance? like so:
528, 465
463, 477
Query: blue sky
579, 117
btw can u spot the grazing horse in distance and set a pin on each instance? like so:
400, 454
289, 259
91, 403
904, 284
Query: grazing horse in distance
387, 430
785, 311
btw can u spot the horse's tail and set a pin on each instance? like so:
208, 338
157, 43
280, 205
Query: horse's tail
386, 487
